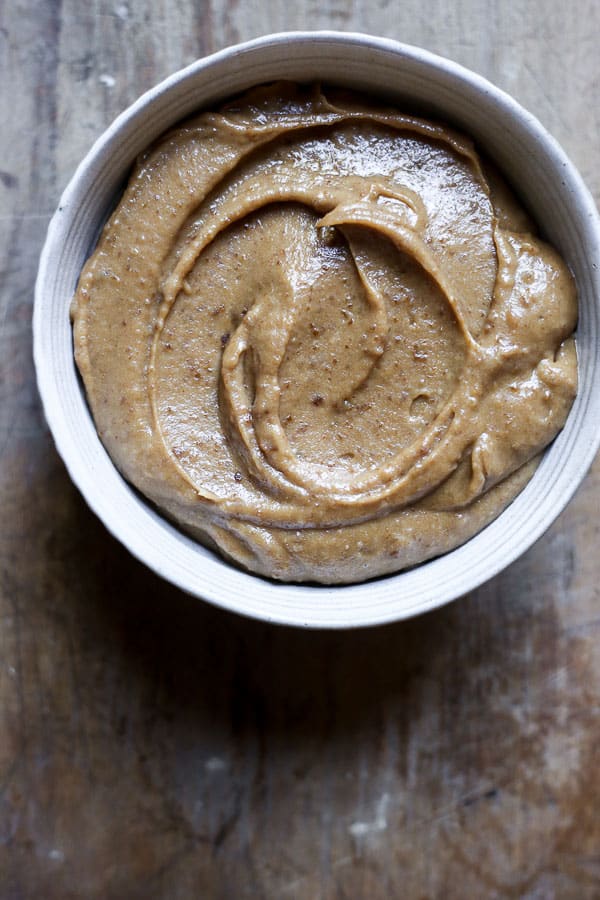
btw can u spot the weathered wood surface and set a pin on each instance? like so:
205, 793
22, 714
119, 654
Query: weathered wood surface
153, 747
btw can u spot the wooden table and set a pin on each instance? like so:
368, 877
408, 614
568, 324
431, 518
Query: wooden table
154, 747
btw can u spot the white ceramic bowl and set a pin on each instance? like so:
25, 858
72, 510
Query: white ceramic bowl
533, 163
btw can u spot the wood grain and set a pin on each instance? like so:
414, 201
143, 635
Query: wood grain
154, 747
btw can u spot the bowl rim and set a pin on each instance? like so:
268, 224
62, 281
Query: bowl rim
335, 607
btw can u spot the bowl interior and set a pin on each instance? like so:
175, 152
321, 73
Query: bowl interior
530, 159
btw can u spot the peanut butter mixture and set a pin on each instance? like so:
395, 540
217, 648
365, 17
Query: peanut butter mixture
321, 336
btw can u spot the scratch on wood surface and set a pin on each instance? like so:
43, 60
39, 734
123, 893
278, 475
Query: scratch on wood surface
379, 823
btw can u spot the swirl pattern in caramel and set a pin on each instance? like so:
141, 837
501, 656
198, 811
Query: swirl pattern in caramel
320, 335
